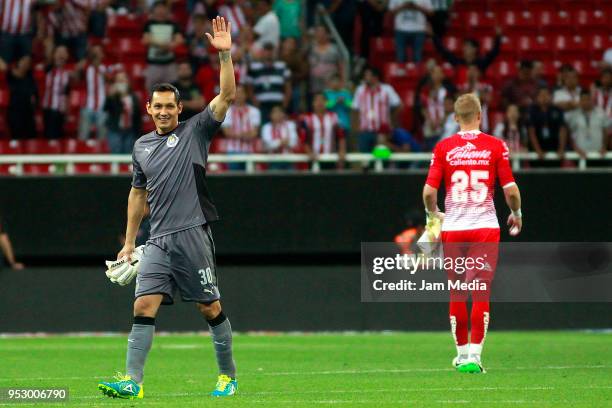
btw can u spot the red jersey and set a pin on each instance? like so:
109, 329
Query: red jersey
470, 162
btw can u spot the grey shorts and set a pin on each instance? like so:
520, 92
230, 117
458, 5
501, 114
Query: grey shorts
184, 260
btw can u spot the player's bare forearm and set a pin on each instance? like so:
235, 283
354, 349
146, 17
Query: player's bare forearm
222, 41
512, 195
430, 198
7, 248
137, 201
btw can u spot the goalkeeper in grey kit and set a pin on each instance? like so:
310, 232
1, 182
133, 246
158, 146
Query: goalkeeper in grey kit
169, 173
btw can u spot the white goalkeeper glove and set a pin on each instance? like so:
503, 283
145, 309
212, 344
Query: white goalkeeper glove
429, 242
123, 271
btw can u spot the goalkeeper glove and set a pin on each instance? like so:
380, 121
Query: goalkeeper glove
123, 271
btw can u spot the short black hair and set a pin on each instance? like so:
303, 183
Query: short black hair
473, 42
585, 92
165, 87
374, 71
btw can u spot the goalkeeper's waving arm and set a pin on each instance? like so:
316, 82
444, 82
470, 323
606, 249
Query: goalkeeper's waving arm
137, 202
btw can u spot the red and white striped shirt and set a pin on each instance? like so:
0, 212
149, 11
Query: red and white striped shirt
56, 89
16, 15
433, 102
71, 18
603, 99
96, 86
241, 119
322, 131
374, 105
273, 135
235, 15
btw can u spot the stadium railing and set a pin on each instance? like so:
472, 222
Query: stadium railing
67, 162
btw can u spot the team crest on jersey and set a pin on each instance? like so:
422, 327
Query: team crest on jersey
172, 141
468, 155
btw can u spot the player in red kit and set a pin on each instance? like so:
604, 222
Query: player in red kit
469, 163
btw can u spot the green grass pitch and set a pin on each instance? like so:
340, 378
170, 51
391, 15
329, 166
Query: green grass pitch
525, 369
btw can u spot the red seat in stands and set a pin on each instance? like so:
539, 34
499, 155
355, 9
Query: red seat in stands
42, 146
77, 146
92, 168
11, 146
396, 73
573, 46
555, 21
535, 48
38, 169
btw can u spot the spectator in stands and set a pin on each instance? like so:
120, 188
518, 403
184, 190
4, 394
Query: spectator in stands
161, 36
279, 136
567, 97
512, 129
339, 100
449, 124
547, 129
123, 115
191, 97
343, 16
16, 30
375, 106
268, 82
324, 60
323, 132
241, 127
54, 102
539, 74
295, 59
432, 102
371, 14
417, 103
602, 93
588, 127
198, 43
289, 14
522, 89
410, 26
439, 18
23, 99
95, 73
97, 18
482, 90
67, 23
7, 248
267, 28
233, 11
471, 54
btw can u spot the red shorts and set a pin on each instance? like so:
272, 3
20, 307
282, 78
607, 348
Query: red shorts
472, 257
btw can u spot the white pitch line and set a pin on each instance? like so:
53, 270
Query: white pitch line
357, 372
356, 391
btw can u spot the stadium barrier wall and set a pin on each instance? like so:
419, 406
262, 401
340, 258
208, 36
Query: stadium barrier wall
261, 298
286, 215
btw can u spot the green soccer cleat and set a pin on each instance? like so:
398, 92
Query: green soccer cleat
124, 387
225, 387
472, 366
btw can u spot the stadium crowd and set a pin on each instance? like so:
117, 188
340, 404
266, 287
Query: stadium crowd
80, 69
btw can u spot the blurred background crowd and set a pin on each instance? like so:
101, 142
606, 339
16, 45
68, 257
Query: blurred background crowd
314, 76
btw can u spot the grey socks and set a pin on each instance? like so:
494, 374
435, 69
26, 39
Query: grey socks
221, 333
139, 344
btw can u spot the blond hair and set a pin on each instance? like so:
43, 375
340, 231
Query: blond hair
466, 107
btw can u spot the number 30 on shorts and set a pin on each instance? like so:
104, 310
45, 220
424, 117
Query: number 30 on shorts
476, 179
207, 276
